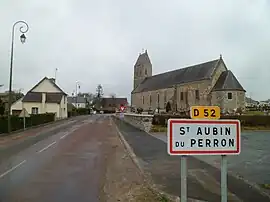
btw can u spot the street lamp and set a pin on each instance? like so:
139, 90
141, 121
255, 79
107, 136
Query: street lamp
23, 29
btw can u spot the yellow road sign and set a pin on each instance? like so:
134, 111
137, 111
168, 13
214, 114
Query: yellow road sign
205, 112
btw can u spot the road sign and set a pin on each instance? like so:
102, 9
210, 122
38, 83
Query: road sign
205, 112
122, 108
24, 113
203, 137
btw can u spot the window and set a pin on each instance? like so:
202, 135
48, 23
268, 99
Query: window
143, 99
150, 99
34, 110
229, 96
182, 95
197, 94
64, 100
145, 71
158, 98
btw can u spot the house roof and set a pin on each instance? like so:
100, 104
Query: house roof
71, 100
227, 81
180, 76
32, 97
52, 82
115, 101
143, 59
53, 97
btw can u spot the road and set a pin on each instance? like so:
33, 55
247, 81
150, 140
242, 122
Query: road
66, 163
253, 163
164, 170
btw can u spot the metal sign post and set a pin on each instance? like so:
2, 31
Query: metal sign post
224, 178
204, 134
23, 115
183, 178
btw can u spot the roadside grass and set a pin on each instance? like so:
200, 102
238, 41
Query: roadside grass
266, 186
254, 113
158, 128
148, 195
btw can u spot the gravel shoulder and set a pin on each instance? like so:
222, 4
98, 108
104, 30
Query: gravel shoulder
124, 181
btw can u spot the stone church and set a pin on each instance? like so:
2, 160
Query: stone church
208, 83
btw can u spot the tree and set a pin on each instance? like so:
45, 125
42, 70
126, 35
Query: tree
168, 107
99, 91
2, 107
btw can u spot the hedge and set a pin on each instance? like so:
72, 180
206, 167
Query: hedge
246, 120
17, 122
79, 111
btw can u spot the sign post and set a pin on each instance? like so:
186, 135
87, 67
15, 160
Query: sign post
204, 134
23, 115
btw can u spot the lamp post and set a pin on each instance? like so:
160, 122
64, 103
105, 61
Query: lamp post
23, 29
77, 86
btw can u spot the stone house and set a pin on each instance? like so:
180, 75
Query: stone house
208, 83
112, 104
45, 97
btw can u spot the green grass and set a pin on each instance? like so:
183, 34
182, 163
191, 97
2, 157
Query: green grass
266, 186
254, 113
163, 129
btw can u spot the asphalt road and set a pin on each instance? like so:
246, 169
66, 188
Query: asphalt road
253, 163
164, 170
66, 164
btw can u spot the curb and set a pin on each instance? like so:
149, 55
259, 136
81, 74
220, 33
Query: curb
151, 185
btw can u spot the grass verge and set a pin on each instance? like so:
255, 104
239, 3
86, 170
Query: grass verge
158, 128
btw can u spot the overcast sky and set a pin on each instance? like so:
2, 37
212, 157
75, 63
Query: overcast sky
99, 41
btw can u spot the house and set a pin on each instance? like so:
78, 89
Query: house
45, 97
112, 104
208, 83
78, 101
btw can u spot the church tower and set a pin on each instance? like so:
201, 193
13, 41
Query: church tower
142, 69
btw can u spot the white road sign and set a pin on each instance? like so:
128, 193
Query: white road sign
203, 137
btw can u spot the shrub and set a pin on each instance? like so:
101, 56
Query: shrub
17, 122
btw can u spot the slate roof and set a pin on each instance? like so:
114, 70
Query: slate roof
32, 97
143, 59
50, 97
54, 97
184, 75
37, 97
113, 101
71, 100
227, 81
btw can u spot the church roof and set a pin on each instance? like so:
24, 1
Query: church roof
227, 81
184, 75
143, 59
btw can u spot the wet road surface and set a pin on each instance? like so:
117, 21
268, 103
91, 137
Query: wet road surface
164, 170
68, 165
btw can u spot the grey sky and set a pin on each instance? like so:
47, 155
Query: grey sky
99, 41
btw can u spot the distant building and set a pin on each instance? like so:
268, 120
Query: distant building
78, 102
208, 83
113, 104
45, 97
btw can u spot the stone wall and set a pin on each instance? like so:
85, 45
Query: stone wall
141, 121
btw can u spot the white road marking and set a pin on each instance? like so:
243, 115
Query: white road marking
64, 136
13, 168
47, 147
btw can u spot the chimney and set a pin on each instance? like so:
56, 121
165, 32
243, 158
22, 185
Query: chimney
53, 80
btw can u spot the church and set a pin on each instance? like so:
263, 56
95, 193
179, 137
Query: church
206, 84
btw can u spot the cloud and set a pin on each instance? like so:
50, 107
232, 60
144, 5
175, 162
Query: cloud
98, 41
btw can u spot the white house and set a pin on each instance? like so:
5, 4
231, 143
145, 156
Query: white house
78, 102
44, 97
